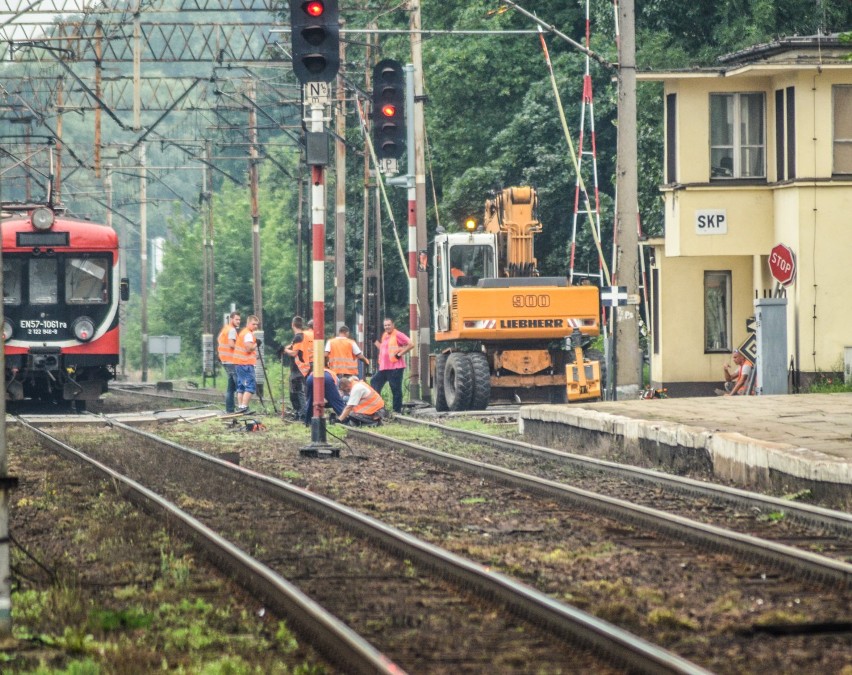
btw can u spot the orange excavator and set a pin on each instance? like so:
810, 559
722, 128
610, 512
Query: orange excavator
506, 332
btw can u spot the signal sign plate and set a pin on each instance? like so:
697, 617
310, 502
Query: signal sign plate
316, 93
388, 166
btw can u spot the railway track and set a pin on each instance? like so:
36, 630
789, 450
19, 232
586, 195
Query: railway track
820, 525
794, 560
303, 517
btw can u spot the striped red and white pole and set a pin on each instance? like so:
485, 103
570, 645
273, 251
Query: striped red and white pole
413, 319
318, 299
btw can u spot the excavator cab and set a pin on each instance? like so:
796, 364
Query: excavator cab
460, 260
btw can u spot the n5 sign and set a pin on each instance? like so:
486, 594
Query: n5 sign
711, 221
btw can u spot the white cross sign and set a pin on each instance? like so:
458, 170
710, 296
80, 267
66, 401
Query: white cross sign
613, 296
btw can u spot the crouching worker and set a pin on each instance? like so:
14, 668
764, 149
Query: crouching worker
364, 407
332, 396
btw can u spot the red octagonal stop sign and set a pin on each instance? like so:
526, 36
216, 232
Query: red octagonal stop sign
782, 264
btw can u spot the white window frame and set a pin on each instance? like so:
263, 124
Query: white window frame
737, 146
718, 325
845, 142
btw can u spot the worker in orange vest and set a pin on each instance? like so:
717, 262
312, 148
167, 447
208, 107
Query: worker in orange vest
365, 406
225, 348
245, 357
301, 351
342, 354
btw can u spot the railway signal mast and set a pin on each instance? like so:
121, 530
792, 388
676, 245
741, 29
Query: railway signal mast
315, 43
393, 132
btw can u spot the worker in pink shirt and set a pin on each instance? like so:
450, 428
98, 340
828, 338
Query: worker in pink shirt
393, 346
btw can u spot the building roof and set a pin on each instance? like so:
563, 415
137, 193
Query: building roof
788, 53
811, 48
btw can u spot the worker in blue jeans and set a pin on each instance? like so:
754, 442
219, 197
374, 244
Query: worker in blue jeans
393, 346
332, 396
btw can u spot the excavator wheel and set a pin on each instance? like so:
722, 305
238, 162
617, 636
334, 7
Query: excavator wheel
481, 381
458, 381
440, 397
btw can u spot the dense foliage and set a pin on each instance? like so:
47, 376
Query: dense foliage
491, 121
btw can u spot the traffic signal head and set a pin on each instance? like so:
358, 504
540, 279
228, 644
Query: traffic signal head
315, 40
388, 109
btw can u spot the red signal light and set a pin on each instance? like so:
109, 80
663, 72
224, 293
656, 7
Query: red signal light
388, 110
314, 8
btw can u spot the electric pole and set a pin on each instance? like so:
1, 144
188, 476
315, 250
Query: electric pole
629, 364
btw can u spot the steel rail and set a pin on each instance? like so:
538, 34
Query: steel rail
837, 522
778, 555
528, 603
200, 396
339, 643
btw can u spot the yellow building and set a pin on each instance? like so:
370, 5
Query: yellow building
758, 152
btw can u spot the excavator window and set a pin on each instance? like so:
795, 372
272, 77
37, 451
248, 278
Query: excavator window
470, 263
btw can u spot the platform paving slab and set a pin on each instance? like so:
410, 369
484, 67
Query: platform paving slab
797, 440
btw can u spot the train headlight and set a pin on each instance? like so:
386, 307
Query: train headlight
84, 328
7, 329
42, 219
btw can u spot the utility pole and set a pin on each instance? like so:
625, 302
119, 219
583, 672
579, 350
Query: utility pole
255, 213
6, 483
340, 202
629, 364
210, 268
424, 337
143, 256
299, 245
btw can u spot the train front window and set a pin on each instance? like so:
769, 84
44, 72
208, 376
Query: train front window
12, 281
86, 281
43, 281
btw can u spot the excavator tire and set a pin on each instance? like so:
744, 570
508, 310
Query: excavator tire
481, 381
458, 381
438, 390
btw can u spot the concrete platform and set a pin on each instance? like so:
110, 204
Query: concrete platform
781, 442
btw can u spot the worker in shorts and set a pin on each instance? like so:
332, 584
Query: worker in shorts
245, 358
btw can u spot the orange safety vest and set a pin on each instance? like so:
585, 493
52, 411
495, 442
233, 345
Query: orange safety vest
371, 404
393, 346
243, 357
305, 349
341, 356
226, 352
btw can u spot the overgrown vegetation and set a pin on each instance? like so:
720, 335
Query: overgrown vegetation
491, 121
120, 598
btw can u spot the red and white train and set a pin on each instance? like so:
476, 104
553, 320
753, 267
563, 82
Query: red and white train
61, 294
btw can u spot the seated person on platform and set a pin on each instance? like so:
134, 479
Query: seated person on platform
365, 406
737, 383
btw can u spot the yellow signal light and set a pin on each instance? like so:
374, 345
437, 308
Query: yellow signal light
470, 224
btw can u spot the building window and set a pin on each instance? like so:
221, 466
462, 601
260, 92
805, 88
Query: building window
671, 138
785, 133
717, 312
842, 128
737, 136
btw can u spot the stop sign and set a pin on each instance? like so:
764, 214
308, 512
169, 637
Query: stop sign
782, 264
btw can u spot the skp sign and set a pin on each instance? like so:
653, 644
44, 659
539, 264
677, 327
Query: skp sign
782, 264
711, 221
